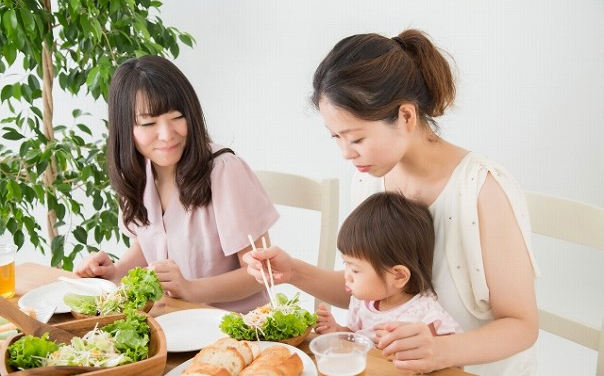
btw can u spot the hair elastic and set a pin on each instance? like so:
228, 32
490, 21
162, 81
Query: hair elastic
400, 42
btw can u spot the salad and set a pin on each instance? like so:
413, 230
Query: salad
121, 342
136, 288
286, 319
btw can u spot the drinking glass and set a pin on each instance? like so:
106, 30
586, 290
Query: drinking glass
341, 353
7, 270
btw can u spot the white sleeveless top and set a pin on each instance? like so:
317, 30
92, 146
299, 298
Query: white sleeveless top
458, 276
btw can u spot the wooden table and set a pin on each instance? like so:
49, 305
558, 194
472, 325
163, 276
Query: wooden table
31, 275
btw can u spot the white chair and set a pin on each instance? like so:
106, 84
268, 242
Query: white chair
305, 193
577, 223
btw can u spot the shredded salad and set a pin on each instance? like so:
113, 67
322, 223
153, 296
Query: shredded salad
121, 342
138, 287
285, 319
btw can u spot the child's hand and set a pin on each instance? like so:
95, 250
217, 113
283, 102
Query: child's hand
326, 323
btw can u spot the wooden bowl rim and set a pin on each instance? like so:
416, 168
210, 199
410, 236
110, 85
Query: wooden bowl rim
157, 360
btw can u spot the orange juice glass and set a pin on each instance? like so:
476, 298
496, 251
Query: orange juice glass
7, 270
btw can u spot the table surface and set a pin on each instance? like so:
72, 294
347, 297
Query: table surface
32, 275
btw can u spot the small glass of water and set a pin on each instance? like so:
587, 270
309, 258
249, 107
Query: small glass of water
341, 353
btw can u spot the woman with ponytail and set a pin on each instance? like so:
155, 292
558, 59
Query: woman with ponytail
379, 98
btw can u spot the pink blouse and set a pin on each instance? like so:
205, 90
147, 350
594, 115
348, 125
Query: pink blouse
363, 316
204, 241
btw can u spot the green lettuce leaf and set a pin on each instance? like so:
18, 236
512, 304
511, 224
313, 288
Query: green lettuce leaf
141, 285
278, 325
29, 351
84, 304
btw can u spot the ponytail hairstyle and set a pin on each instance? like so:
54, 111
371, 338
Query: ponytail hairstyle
164, 88
370, 76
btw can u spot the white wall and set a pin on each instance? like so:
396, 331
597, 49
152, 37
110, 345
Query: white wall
530, 93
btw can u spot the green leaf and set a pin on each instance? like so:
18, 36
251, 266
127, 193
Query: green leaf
13, 135
84, 128
9, 20
14, 190
19, 238
186, 39
60, 211
10, 53
97, 202
7, 92
80, 234
28, 21
92, 80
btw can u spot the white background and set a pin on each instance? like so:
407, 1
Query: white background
530, 78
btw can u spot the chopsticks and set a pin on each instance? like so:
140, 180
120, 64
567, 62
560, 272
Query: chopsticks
269, 288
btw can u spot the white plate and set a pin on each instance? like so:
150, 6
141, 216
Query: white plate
191, 329
308, 370
52, 294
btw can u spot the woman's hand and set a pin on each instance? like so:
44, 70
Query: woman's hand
413, 345
326, 323
171, 278
96, 265
281, 264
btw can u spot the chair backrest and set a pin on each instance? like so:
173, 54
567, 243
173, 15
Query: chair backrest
305, 193
578, 223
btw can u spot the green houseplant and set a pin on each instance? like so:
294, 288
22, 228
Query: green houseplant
61, 167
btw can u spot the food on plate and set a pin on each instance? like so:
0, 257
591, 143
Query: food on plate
271, 323
275, 361
7, 328
136, 289
231, 357
121, 342
205, 369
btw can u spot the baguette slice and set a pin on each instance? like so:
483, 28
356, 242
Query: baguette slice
241, 346
255, 347
205, 369
275, 361
228, 358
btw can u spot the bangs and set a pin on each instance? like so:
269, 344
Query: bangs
158, 97
354, 241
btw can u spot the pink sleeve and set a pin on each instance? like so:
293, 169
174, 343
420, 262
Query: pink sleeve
240, 204
441, 319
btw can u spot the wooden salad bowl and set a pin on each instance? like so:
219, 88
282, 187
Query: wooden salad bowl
295, 341
146, 308
152, 366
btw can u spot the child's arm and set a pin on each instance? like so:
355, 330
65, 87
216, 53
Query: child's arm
326, 323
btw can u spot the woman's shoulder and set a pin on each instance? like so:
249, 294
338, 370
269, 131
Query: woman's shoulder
230, 167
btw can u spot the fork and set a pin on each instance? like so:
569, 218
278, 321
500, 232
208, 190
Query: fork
43, 314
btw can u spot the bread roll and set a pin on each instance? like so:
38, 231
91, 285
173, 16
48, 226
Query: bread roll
205, 369
228, 358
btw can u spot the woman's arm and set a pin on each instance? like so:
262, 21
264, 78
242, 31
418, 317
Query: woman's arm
326, 285
100, 265
510, 278
226, 287
132, 258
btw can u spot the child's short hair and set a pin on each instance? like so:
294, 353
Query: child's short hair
387, 230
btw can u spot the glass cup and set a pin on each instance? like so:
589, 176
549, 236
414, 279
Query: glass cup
7, 270
341, 353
